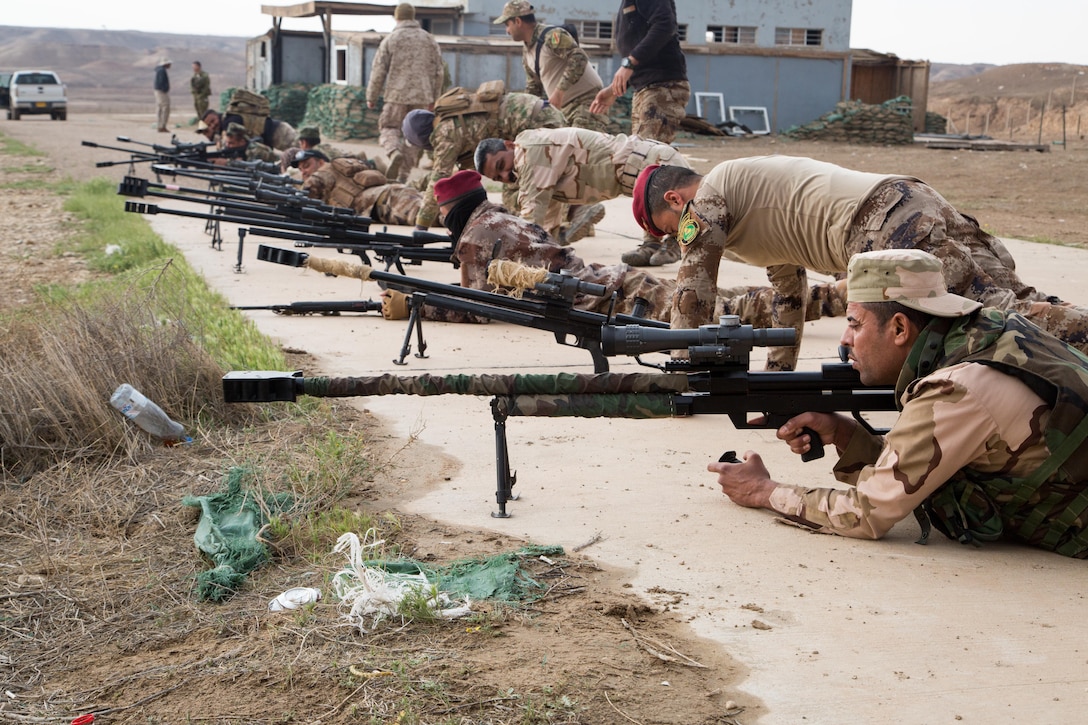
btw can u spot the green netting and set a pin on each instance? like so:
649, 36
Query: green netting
341, 113
497, 578
289, 102
227, 533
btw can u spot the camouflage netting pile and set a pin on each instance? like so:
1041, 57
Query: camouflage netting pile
619, 116
289, 102
936, 123
340, 112
857, 122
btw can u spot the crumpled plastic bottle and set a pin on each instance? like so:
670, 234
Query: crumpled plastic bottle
149, 416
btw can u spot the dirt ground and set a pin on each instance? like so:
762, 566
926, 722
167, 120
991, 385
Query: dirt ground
147, 653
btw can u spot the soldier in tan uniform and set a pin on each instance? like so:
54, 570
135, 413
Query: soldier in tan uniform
407, 74
989, 440
556, 67
352, 184
461, 120
790, 214
569, 166
484, 231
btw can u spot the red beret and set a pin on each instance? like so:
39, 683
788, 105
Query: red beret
640, 202
453, 188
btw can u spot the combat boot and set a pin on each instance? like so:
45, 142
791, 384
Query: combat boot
641, 256
396, 162
669, 253
580, 222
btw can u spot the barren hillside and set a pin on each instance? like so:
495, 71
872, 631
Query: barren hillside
1006, 102
112, 70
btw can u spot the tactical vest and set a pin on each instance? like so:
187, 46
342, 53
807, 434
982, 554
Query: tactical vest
459, 102
1048, 509
344, 190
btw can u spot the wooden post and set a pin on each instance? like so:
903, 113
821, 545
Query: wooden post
986, 127
1042, 115
967, 131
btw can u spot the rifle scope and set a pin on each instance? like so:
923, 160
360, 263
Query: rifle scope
729, 335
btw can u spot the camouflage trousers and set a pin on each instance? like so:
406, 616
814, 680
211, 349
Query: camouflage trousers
657, 110
398, 204
910, 214
200, 103
754, 305
391, 138
578, 114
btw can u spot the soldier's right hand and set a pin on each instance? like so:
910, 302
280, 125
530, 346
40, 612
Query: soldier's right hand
394, 305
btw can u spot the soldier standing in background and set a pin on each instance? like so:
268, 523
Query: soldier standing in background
200, 85
452, 135
162, 94
653, 65
408, 74
556, 67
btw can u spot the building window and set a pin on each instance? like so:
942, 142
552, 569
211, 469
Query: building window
445, 27
798, 36
732, 34
592, 29
341, 64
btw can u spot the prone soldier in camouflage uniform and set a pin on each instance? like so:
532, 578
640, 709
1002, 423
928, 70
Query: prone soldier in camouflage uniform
790, 214
352, 184
989, 439
556, 67
235, 139
407, 74
452, 134
309, 137
553, 167
484, 231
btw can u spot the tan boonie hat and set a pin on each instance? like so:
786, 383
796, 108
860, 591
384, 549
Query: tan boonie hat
910, 277
514, 9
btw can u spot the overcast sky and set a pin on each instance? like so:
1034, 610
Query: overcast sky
942, 31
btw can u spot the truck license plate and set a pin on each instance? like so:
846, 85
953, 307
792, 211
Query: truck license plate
40, 104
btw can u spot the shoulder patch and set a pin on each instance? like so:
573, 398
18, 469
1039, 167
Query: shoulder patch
558, 39
691, 225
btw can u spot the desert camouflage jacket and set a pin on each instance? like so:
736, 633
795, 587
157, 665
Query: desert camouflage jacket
454, 139
969, 437
407, 67
351, 183
579, 166
564, 66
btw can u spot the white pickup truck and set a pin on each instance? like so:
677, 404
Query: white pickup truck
32, 92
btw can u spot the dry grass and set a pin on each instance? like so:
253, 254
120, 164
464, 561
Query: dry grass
60, 366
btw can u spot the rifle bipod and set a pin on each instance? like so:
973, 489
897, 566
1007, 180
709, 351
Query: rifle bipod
415, 322
505, 480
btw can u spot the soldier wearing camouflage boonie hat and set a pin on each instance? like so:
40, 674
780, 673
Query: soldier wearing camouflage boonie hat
911, 277
514, 9
309, 133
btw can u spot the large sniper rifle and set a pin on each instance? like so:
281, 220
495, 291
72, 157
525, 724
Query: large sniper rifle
289, 216
176, 152
546, 301
717, 381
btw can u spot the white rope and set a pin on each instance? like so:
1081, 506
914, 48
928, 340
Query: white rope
371, 594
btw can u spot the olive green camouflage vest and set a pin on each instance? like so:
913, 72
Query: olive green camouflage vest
1049, 509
